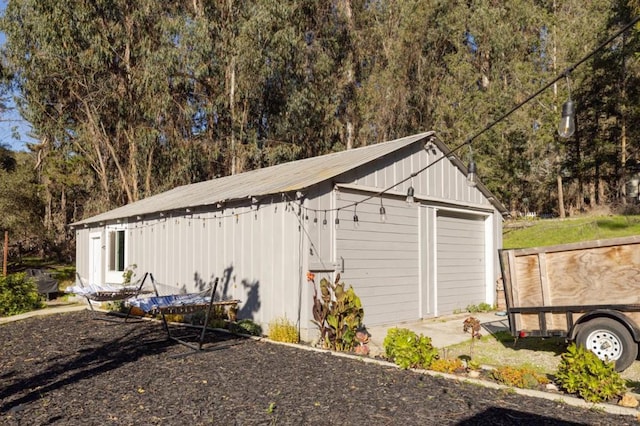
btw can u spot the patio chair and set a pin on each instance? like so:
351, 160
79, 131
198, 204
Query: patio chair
182, 304
44, 281
108, 293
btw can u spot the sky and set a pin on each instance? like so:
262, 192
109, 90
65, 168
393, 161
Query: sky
12, 119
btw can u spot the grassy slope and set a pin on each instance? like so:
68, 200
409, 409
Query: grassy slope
536, 233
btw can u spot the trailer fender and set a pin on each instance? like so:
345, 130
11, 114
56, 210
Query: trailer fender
606, 313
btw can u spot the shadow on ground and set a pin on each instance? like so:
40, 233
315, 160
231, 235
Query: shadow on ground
500, 331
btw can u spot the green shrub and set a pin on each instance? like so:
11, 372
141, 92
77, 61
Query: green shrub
282, 330
482, 307
408, 350
117, 306
18, 294
581, 372
447, 365
520, 377
246, 326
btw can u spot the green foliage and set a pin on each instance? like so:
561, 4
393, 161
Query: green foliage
246, 326
21, 208
581, 372
447, 365
409, 350
177, 318
65, 275
337, 313
482, 307
473, 365
282, 330
123, 112
555, 231
18, 294
217, 323
520, 377
128, 274
116, 306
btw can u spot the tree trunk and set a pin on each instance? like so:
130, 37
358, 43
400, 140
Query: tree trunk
232, 102
561, 212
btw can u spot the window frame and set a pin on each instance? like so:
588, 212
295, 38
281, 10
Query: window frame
116, 253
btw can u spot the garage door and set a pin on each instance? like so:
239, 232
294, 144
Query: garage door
461, 262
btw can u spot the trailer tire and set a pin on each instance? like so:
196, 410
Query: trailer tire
609, 340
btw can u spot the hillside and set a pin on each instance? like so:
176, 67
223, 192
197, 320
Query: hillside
544, 232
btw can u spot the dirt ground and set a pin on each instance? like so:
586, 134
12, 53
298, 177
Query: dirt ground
69, 369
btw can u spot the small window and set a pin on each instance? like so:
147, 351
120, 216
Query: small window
116, 250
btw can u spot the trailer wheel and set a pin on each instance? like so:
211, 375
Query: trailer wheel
609, 340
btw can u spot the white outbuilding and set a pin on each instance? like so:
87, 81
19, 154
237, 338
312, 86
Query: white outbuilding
347, 212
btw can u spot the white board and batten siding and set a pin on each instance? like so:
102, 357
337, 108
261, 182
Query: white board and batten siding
255, 253
380, 260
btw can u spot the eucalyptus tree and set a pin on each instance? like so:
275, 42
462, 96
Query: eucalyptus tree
93, 82
21, 208
608, 111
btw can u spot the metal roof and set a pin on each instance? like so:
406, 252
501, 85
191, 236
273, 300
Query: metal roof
281, 178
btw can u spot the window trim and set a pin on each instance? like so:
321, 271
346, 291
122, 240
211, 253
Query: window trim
113, 273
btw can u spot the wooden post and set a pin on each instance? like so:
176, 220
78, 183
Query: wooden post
4, 253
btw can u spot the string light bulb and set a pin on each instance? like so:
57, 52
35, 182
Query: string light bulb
567, 125
383, 212
472, 177
410, 193
324, 221
356, 221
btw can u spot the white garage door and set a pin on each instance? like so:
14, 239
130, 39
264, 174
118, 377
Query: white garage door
461, 262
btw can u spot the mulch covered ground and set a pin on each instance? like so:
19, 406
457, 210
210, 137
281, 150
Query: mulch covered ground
70, 369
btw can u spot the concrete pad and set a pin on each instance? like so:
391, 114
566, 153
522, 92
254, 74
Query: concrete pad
444, 331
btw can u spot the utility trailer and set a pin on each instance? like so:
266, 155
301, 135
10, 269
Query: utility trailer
588, 292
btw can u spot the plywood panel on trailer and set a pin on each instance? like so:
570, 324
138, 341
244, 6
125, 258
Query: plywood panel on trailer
603, 272
527, 274
604, 275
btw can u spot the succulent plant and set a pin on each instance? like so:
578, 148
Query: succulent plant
337, 313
